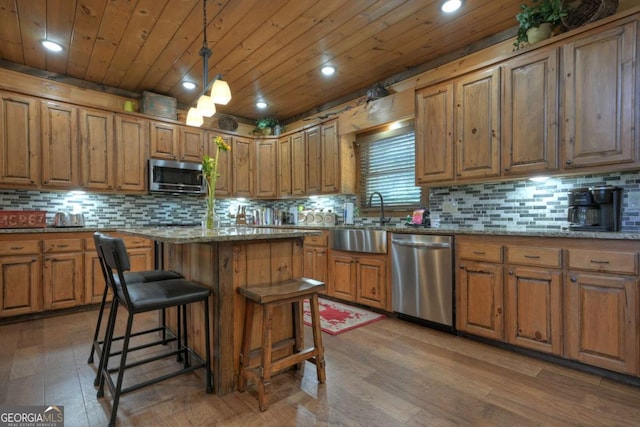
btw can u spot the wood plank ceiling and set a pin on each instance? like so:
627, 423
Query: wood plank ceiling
271, 50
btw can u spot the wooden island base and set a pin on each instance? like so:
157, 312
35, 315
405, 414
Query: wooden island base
224, 266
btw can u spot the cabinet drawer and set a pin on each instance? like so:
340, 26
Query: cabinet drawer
480, 252
62, 245
322, 240
20, 247
136, 242
604, 261
542, 257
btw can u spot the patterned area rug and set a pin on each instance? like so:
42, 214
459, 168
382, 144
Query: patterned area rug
336, 318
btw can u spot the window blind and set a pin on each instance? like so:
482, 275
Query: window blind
387, 165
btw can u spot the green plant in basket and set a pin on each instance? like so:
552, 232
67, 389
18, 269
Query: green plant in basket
534, 16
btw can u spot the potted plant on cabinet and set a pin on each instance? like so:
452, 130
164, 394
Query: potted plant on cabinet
538, 20
265, 126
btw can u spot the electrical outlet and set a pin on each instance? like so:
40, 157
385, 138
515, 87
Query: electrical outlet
634, 199
449, 207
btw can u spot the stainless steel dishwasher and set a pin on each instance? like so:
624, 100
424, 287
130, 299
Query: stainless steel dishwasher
422, 278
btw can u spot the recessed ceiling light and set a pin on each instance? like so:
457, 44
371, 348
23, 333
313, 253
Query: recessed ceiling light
52, 46
188, 85
451, 5
261, 104
328, 70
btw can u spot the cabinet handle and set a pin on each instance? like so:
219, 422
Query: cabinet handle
510, 273
462, 267
16, 248
532, 256
573, 279
595, 261
62, 246
479, 253
568, 161
34, 259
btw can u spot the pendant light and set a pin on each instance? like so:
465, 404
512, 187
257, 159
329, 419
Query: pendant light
220, 92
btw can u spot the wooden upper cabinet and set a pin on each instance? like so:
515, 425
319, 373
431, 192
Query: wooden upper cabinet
242, 158
330, 158
298, 164
132, 138
265, 173
434, 134
59, 139
284, 167
97, 151
530, 113
600, 98
19, 140
191, 144
223, 184
477, 124
314, 159
165, 138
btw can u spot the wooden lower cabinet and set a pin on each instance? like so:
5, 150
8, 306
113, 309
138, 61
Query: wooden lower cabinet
361, 278
602, 320
480, 299
63, 273
533, 308
20, 284
316, 261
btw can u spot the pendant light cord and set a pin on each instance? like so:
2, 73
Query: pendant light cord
205, 52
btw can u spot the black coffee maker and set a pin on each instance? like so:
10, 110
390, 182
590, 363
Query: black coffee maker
595, 208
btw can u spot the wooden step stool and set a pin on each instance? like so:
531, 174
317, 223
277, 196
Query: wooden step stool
289, 291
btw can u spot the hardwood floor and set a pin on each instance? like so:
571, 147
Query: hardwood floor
389, 373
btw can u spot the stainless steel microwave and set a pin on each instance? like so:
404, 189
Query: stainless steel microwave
167, 176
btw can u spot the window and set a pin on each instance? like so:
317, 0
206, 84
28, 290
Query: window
387, 165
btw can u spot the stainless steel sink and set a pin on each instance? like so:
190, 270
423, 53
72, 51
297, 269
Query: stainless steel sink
359, 240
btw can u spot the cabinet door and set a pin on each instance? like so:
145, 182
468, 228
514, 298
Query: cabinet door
191, 144
266, 153
97, 158
434, 134
242, 157
59, 138
602, 321
63, 284
223, 184
20, 285
314, 159
477, 124
284, 166
19, 140
93, 279
164, 140
533, 309
480, 299
599, 98
372, 280
530, 113
315, 263
132, 138
342, 277
141, 259
298, 164
330, 158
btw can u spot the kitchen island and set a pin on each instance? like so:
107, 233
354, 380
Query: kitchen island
224, 260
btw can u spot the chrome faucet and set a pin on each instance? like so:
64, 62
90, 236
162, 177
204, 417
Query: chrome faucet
383, 220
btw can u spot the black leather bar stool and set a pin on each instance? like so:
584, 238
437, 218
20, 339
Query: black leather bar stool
131, 277
139, 298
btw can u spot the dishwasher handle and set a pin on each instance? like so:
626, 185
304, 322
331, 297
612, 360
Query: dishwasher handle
420, 245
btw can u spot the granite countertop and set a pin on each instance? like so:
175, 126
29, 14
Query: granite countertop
285, 231
180, 235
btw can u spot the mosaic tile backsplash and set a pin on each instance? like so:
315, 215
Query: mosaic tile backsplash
508, 205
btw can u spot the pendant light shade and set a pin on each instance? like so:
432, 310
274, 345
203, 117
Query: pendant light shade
220, 92
194, 118
206, 107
